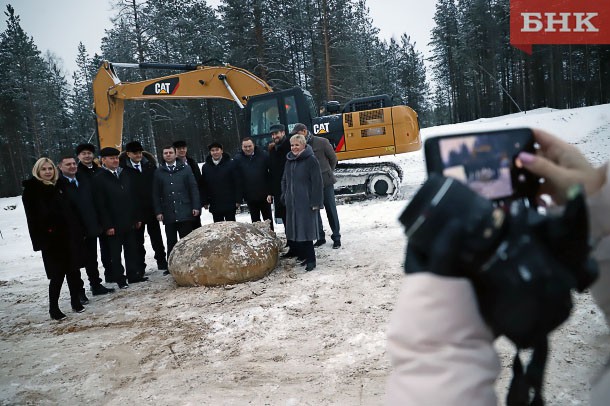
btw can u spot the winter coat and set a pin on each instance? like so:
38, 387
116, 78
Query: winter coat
142, 181
81, 197
277, 162
302, 191
326, 157
53, 226
85, 173
254, 176
442, 350
175, 194
116, 201
221, 189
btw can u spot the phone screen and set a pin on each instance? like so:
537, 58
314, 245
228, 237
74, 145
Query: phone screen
486, 162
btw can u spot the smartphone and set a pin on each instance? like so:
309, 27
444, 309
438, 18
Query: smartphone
486, 162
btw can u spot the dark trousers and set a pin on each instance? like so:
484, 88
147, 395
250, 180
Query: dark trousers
124, 243
154, 232
223, 216
93, 274
330, 207
105, 257
258, 209
173, 230
305, 250
197, 222
58, 268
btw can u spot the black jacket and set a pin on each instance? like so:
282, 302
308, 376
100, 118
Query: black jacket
116, 202
81, 198
254, 175
86, 174
277, 162
221, 189
142, 181
53, 226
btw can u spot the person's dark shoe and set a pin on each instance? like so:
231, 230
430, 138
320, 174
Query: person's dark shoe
319, 243
165, 273
83, 298
123, 285
162, 266
310, 266
100, 289
57, 315
302, 261
138, 280
78, 309
336, 244
289, 254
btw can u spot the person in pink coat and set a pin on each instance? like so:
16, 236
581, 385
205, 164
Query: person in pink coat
440, 348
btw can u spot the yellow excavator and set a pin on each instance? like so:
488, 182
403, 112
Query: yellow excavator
364, 127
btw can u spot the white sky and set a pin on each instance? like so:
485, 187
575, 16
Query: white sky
59, 25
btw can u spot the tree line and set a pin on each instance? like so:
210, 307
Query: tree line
329, 47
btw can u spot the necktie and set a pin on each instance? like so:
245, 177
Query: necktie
116, 174
137, 167
171, 168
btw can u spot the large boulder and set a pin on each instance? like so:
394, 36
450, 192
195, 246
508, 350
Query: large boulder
224, 253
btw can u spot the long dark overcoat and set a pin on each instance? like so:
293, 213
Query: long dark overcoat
221, 188
81, 197
54, 227
301, 191
116, 201
142, 181
254, 175
175, 193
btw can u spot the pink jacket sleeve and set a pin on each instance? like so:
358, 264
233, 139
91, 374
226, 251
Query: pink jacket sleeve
440, 349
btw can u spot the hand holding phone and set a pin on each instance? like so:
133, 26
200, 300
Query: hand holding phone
486, 161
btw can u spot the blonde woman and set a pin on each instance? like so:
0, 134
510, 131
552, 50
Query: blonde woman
56, 232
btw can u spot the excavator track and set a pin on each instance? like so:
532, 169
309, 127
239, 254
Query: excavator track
368, 180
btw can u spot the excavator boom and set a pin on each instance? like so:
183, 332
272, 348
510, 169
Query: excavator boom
214, 82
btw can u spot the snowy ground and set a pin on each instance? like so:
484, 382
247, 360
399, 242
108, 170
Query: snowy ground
293, 338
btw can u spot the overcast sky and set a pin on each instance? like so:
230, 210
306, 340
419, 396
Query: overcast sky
59, 25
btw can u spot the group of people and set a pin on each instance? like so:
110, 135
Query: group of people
73, 206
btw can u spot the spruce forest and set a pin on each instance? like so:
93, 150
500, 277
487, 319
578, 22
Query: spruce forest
328, 47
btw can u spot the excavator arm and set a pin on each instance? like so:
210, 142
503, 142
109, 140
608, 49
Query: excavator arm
199, 82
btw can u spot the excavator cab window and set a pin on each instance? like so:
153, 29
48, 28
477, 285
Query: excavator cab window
265, 113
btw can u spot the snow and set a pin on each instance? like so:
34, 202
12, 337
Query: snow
292, 338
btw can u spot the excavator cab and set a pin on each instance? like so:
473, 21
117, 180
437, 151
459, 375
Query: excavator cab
287, 107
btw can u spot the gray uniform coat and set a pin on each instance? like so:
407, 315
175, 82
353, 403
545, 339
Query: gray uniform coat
175, 194
302, 190
327, 158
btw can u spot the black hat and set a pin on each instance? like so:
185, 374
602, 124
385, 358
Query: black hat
277, 128
297, 128
179, 144
215, 144
109, 151
85, 147
133, 146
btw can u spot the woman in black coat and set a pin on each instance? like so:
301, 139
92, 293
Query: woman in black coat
56, 232
303, 196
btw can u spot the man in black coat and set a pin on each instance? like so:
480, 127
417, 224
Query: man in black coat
86, 170
142, 167
278, 150
175, 198
118, 211
80, 196
221, 191
181, 155
253, 170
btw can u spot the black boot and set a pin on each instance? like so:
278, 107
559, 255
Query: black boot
83, 297
100, 289
56, 314
310, 266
